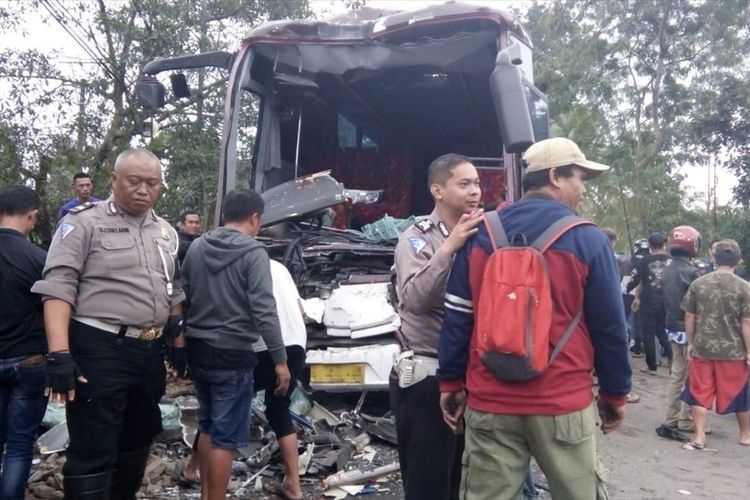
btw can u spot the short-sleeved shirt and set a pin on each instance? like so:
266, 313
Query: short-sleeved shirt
648, 273
720, 301
112, 266
292, 324
421, 275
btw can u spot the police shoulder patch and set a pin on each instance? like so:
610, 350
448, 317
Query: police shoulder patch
65, 230
417, 244
425, 225
80, 208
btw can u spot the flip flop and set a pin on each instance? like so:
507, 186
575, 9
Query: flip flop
692, 445
183, 480
632, 398
277, 489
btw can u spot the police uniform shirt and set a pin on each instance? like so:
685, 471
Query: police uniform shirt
421, 276
113, 266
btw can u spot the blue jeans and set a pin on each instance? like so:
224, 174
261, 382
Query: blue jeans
224, 399
22, 406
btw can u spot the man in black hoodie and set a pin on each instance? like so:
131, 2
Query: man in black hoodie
227, 278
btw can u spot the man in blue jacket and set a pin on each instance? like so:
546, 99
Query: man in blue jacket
552, 416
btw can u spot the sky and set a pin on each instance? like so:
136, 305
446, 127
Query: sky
50, 37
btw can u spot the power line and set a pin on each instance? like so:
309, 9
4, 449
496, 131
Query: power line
61, 19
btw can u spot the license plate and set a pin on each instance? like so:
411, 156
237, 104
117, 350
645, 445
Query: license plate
346, 373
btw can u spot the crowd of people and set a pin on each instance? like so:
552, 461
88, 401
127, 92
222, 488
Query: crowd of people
511, 316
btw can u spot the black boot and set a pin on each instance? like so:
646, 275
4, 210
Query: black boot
128, 474
88, 487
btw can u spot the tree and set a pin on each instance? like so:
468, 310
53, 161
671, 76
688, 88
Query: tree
54, 123
631, 82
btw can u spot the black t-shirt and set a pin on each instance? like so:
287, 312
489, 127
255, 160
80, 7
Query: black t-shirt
649, 273
21, 319
205, 355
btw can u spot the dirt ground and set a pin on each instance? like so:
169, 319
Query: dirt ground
643, 466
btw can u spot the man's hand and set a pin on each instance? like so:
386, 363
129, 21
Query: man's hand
178, 360
690, 353
174, 328
464, 229
62, 373
453, 405
635, 305
611, 415
283, 378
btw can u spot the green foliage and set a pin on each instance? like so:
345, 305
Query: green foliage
651, 88
55, 122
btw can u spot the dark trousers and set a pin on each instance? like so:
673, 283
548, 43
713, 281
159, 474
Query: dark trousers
637, 332
277, 407
429, 452
117, 411
653, 325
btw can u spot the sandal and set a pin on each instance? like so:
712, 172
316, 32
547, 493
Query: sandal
692, 445
183, 480
277, 489
632, 398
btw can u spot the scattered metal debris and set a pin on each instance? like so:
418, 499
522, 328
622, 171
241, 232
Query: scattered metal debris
339, 446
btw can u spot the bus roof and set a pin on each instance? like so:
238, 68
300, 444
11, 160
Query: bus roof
369, 23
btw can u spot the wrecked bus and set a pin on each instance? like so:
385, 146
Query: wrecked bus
336, 121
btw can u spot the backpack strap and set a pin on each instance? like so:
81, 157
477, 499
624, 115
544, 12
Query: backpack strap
566, 336
495, 230
542, 243
556, 230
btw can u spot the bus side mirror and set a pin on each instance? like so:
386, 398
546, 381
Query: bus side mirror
150, 93
511, 108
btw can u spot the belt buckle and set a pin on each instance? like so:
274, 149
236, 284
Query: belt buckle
149, 333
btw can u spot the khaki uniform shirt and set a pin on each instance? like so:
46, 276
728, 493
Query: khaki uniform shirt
113, 266
421, 274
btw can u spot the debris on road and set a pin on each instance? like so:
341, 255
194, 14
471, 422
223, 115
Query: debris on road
341, 449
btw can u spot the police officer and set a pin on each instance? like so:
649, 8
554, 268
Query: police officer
429, 453
108, 293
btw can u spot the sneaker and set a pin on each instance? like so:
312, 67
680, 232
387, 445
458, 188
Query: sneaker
648, 371
638, 354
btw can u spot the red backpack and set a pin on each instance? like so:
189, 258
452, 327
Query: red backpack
514, 315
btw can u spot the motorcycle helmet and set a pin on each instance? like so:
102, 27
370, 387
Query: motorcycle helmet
686, 239
640, 247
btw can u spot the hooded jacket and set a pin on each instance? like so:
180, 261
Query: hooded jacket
227, 280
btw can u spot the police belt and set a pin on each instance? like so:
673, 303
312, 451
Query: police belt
132, 332
413, 368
